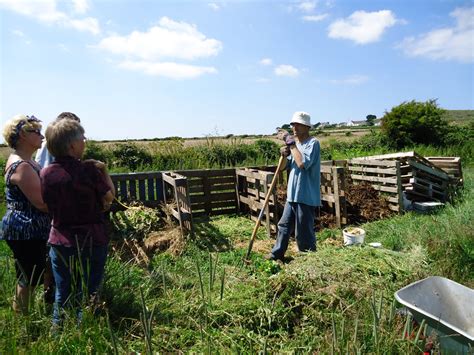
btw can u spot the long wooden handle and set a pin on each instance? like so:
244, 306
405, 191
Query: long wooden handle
265, 203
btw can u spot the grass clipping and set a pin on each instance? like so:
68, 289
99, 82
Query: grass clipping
339, 277
149, 228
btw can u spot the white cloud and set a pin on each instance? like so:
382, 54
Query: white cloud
45, 11
451, 43
286, 70
307, 6
168, 69
214, 6
169, 39
266, 61
262, 80
21, 35
80, 6
314, 18
18, 33
88, 24
156, 51
351, 80
363, 27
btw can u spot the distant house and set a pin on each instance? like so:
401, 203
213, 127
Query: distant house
352, 123
378, 122
323, 125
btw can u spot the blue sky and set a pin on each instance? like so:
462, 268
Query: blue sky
144, 69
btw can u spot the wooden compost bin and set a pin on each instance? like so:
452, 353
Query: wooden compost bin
402, 174
153, 189
211, 191
145, 187
200, 193
333, 196
253, 184
452, 166
252, 188
179, 204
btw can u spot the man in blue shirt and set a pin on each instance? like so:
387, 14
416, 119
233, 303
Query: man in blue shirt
303, 194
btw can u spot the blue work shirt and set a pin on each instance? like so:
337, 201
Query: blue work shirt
304, 184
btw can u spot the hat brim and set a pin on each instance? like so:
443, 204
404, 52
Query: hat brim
296, 120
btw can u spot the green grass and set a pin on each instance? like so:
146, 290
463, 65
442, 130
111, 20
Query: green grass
335, 300
459, 116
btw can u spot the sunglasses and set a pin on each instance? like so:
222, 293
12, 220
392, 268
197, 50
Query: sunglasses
36, 131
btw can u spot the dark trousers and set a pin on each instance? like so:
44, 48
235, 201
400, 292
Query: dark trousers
298, 218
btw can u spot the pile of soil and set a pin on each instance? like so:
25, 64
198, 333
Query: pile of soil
365, 204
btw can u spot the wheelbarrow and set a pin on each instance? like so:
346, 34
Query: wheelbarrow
447, 308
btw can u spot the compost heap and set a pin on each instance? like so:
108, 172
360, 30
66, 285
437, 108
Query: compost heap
363, 203
140, 231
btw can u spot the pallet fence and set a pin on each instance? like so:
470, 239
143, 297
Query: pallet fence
176, 199
212, 191
252, 188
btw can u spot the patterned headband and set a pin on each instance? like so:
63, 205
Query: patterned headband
19, 127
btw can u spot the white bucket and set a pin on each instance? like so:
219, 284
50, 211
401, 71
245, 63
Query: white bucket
353, 235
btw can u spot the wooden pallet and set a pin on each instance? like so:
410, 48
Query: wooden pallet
414, 176
252, 188
383, 175
452, 166
179, 204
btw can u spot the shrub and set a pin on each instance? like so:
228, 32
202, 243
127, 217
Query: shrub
96, 151
131, 156
268, 149
414, 123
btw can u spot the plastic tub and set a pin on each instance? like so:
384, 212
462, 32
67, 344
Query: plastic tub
353, 235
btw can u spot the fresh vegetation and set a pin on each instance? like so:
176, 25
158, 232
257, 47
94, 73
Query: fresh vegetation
206, 300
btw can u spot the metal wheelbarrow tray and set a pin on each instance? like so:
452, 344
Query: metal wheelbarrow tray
446, 306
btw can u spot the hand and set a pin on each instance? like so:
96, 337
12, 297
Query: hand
289, 140
98, 164
282, 134
285, 151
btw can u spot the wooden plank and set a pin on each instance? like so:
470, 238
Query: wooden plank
194, 182
399, 187
364, 169
375, 179
385, 188
135, 176
255, 174
221, 180
215, 197
150, 184
222, 187
395, 208
207, 172
358, 161
389, 156
142, 190
440, 174
337, 206
123, 190
207, 192
196, 189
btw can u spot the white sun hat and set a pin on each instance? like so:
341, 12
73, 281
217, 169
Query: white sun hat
301, 117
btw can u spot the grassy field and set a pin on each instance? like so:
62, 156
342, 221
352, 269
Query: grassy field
338, 299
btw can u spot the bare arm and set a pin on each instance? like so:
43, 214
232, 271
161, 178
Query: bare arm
27, 179
297, 156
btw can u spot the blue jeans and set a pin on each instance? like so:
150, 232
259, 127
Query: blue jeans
74, 270
299, 218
